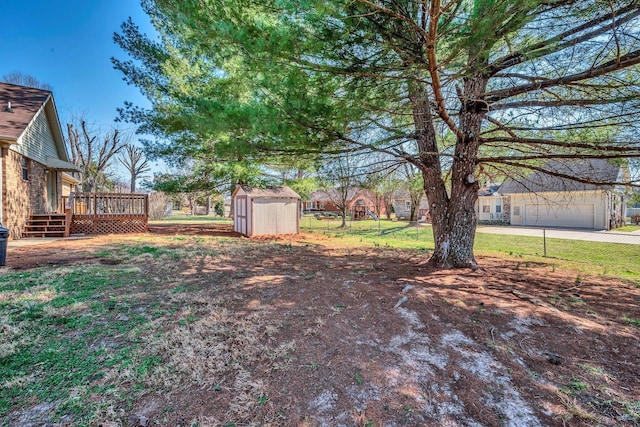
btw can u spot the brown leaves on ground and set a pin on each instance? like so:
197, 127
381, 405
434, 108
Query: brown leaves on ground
292, 333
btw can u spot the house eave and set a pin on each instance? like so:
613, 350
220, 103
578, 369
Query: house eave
61, 165
68, 179
8, 140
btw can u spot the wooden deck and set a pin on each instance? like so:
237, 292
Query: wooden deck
106, 213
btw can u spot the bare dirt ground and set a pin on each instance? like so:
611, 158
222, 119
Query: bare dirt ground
302, 332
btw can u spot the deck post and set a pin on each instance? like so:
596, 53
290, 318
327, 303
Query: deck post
68, 212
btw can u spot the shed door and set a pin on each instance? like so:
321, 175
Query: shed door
240, 215
570, 216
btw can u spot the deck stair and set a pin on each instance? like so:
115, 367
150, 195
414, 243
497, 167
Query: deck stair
45, 225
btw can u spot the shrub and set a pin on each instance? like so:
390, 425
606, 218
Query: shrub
635, 218
158, 203
219, 208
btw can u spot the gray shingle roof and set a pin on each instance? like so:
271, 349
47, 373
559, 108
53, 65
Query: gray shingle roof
597, 171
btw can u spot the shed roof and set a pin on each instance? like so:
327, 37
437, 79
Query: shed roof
599, 173
267, 192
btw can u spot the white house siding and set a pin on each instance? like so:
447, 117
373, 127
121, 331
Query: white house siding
37, 140
580, 209
487, 208
275, 216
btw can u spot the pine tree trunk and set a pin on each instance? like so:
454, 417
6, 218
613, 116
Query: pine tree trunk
453, 217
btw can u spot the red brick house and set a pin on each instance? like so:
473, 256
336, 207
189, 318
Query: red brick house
358, 202
34, 157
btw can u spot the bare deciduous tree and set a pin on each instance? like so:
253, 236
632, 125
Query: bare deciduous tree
22, 79
340, 177
134, 160
92, 153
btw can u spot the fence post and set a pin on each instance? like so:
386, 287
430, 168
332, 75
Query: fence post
544, 238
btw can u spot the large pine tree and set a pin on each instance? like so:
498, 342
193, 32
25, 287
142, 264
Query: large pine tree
455, 87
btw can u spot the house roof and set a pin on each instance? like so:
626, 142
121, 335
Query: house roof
598, 172
333, 194
489, 190
401, 194
267, 192
25, 104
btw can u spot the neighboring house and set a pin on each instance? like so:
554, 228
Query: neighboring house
545, 200
358, 202
402, 206
34, 157
492, 206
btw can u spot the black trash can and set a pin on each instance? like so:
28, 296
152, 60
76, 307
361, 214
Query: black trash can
4, 237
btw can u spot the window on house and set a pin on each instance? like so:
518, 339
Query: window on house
25, 169
407, 205
516, 210
498, 206
486, 208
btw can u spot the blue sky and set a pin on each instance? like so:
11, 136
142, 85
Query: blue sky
68, 44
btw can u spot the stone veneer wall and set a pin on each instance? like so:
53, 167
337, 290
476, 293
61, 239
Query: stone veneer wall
22, 198
506, 209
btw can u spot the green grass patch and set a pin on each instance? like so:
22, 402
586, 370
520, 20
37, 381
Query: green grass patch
66, 329
628, 228
586, 257
632, 321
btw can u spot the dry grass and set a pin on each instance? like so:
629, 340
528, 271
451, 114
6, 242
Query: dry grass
213, 332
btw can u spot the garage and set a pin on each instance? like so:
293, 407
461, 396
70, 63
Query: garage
556, 215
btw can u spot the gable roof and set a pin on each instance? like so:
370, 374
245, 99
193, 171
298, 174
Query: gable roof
598, 171
267, 192
25, 104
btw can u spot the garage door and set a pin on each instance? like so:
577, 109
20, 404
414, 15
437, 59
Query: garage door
571, 216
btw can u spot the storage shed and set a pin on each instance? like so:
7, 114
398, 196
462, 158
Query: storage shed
271, 210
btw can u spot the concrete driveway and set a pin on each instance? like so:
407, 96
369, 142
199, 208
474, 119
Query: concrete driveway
569, 234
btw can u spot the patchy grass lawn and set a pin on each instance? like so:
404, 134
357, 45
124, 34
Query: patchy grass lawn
593, 258
214, 330
180, 218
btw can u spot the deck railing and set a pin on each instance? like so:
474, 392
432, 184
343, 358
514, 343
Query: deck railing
108, 204
100, 213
